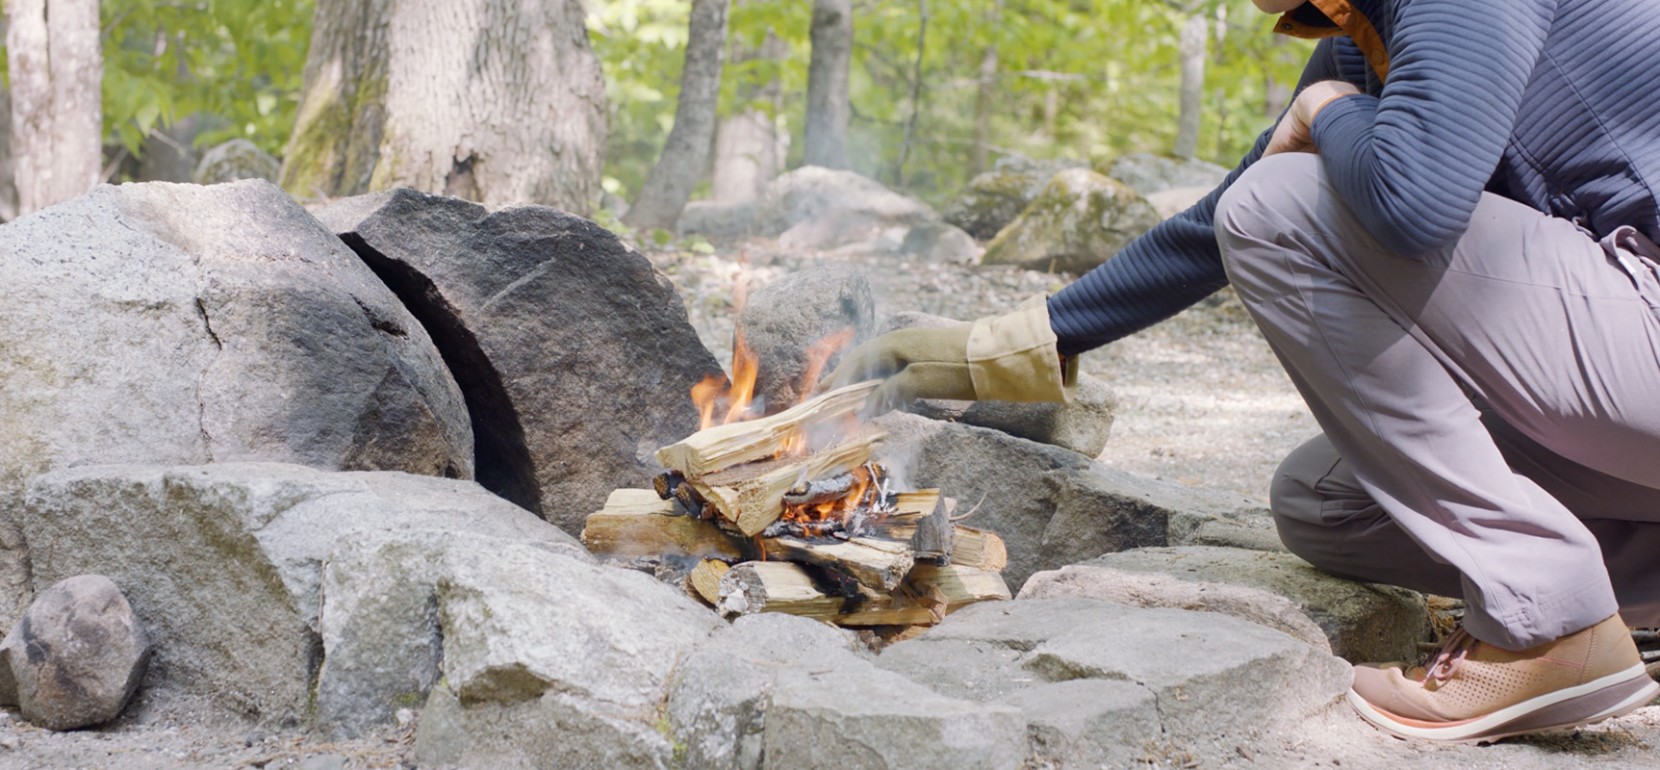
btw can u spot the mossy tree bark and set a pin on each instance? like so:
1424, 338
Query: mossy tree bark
685, 154
496, 101
828, 107
56, 68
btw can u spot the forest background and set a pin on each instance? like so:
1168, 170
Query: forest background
938, 89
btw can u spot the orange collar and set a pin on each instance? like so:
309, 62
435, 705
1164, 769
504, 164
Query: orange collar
1349, 22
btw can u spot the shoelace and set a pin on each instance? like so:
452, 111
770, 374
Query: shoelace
1446, 659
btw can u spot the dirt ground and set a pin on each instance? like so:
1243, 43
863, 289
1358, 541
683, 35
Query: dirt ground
1202, 402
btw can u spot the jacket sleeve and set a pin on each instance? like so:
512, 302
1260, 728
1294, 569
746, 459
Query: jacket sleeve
1412, 162
1177, 263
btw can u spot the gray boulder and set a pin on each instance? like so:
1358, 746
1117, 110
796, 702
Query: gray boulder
75, 657
235, 160
1108, 685
940, 242
798, 326
575, 354
1082, 425
1169, 203
718, 700
1148, 173
165, 323
718, 221
1226, 520
551, 661
1356, 621
224, 568
1079, 221
995, 198
817, 208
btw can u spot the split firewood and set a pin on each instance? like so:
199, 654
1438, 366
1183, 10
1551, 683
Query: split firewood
879, 564
775, 586
636, 522
923, 519
978, 548
821, 490
704, 581
955, 587
715, 449
778, 586
753, 495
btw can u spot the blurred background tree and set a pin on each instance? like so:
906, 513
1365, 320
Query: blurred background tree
1083, 79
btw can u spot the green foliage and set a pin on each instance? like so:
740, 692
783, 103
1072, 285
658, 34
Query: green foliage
1088, 79
239, 61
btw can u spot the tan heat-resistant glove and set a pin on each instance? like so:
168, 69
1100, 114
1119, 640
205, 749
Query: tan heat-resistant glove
1005, 358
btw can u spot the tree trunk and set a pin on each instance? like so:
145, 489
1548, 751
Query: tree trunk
686, 152
53, 50
497, 101
342, 115
1193, 44
828, 107
8, 168
916, 92
984, 94
749, 151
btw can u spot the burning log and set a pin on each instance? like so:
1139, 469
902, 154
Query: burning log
715, 449
821, 491
636, 522
922, 519
704, 581
752, 495
666, 483
879, 564
979, 549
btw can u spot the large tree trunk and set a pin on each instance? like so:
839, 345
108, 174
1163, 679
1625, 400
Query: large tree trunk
8, 168
337, 134
53, 49
686, 152
749, 150
985, 93
498, 101
1193, 44
828, 108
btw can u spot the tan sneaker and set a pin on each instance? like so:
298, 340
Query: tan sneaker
1472, 692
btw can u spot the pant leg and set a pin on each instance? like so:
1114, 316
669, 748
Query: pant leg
1325, 517
1525, 313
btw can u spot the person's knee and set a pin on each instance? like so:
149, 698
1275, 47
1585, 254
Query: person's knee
1303, 485
1262, 205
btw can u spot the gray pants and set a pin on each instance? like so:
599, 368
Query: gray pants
1491, 410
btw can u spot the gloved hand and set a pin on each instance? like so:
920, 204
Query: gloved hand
1005, 358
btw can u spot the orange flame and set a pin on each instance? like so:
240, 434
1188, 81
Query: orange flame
819, 353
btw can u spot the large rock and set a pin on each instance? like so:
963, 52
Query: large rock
235, 160
940, 242
1105, 684
1148, 174
798, 326
163, 323
718, 700
575, 354
224, 564
1079, 221
1356, 621
76, 655
550, 661
718, 221
995, 198
819, 209
1052, 506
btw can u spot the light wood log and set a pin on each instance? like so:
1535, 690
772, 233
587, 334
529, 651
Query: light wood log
978, 548
712, 450
774, 586
778, 586
636, 522
704, 581
953, 587
752, 496
875, 563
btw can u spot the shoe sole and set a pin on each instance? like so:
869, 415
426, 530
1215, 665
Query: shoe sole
1611, 696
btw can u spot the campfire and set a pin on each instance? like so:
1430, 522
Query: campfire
795, 512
